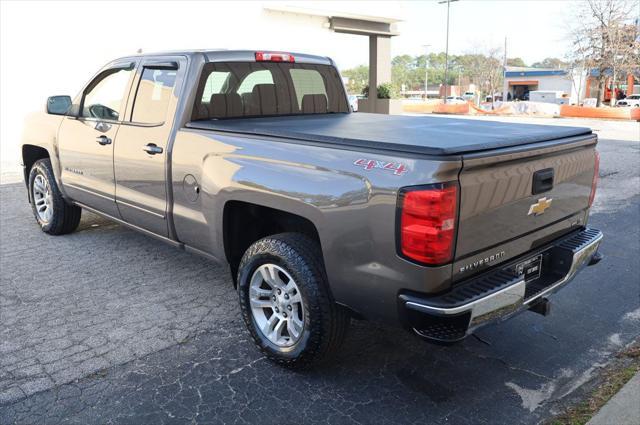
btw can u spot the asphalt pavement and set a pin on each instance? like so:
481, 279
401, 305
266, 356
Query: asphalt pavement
109, 326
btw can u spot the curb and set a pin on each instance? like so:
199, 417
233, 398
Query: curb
623, 408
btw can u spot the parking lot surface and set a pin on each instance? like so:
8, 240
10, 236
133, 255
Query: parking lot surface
109, 326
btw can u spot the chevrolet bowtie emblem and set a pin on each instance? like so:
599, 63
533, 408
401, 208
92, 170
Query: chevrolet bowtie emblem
540, 207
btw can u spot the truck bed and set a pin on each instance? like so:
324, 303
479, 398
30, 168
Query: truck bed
439, 136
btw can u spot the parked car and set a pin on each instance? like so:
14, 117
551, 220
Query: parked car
437, 225
497, 97
631, 100
469, 96
455, 100
353, 102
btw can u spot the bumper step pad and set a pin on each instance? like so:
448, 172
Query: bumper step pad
499, 293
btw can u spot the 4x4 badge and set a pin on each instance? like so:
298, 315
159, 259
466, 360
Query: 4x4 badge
540, 207
397, 168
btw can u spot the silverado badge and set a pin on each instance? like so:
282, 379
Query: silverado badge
540, 207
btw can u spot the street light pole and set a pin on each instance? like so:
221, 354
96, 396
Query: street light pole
426, 70
446, 52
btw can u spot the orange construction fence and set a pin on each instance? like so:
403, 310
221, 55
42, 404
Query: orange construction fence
611, 113
420, 108
503, 110
565, 111
443, 108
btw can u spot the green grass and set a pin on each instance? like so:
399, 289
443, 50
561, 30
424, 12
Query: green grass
612, 380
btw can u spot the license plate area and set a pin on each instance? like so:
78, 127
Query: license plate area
541, 270
530, 268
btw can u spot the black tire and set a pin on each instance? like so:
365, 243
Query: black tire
65, 217
325, 322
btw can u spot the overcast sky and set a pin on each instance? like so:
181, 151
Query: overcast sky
534, 29
54, 47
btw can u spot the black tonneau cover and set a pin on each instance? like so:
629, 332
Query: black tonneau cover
426, 135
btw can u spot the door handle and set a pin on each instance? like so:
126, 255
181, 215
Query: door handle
152, 149
103, 140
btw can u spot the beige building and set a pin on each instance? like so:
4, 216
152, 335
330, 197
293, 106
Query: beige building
378, 29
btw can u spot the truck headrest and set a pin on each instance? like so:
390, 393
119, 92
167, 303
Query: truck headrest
314, 103
263, 100
223, 105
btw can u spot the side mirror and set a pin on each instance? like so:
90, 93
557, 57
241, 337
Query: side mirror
58, 105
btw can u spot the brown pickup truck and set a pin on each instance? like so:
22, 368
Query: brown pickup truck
255, 160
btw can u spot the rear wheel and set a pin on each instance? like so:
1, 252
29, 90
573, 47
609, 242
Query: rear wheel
285, 301
54, 215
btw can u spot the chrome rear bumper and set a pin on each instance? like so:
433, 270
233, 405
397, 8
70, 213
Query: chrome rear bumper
500, 293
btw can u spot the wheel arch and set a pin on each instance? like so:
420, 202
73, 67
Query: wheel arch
244, 223
31, 154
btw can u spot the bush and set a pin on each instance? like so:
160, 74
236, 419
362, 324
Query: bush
385, 91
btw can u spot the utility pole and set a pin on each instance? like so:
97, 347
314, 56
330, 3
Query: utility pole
446, 51
426, 70
505, 87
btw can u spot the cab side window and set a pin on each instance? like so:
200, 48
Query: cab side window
153, 96
103, 97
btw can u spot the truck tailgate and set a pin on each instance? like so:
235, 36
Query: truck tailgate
512, 200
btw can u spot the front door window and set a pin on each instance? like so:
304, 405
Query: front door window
103, 98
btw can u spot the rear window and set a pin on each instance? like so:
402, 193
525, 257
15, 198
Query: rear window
307, 81
263, 76
252, 89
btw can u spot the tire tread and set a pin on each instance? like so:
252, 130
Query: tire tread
66, 217
328, 332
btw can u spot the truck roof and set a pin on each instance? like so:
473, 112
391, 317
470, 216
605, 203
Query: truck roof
220, 55
406, 134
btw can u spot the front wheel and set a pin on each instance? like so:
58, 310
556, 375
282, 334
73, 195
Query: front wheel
54, 215
286, 303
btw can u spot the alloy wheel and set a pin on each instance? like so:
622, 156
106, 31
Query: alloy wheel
276, 305
42, 198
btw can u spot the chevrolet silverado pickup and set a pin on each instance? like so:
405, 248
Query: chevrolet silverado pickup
254, 159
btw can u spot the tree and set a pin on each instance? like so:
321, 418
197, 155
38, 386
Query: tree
358, 78
606, 40
516, 62
482, 68
554, 63
401, 72
491, 70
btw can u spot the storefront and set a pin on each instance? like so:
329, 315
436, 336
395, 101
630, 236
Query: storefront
520, 81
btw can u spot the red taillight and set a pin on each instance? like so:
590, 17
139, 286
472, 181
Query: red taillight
427, 223
274, 57
594, 181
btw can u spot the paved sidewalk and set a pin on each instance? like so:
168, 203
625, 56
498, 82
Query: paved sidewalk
623, 408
